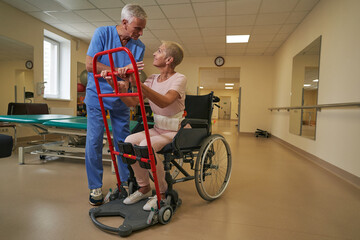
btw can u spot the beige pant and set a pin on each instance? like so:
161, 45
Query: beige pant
159, 138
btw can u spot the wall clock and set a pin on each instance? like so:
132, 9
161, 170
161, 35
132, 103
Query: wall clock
29, 64
219, 61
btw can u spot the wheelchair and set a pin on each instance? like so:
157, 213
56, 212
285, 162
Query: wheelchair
208, 155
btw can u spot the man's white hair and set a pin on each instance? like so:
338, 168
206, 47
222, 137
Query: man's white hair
130, 11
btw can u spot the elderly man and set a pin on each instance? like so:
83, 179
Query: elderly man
126, 34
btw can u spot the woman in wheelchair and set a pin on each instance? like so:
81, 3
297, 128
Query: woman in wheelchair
166, 94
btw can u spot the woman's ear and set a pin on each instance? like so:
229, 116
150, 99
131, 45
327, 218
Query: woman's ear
169, 60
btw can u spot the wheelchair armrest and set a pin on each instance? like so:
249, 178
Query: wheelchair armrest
195, 123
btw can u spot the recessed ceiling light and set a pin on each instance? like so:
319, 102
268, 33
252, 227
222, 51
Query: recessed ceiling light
315, 80
201, 87
237, 38
229, 84
229, 88
307, 85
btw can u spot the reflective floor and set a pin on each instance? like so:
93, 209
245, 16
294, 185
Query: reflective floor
273, 194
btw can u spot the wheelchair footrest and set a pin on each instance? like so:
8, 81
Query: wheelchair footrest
142, 152
125, 147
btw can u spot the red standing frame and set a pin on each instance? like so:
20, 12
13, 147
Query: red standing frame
116, 93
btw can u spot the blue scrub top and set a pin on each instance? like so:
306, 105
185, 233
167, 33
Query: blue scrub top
106, 38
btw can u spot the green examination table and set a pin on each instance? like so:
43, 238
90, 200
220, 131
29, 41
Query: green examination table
70, 129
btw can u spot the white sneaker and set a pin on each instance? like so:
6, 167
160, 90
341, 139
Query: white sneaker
136, 196
152, 203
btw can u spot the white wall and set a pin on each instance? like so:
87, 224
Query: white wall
256, 80
338, 130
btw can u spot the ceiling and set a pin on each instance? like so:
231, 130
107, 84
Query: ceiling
199, 26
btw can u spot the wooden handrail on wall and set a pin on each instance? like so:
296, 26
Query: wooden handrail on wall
319, 107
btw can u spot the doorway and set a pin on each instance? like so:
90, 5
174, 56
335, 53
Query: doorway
225, 107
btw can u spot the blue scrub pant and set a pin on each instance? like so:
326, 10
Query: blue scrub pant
94, 143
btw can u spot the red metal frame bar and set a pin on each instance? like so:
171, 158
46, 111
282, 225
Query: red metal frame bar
113, 73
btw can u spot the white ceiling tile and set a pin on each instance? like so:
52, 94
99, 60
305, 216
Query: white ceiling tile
242, 30
236, 46
275, 44
178, 11
172, 1
220, 40
206, 22
261, 37
76, 5
209, 9
147, 34
154, 24
67, 17
242, 7
271, 18
154, 12
93, 15
258, 44
141, 2
188, 33
296, 17
45, 17
191, 40
181, 23
236, 52
271, 6
22, 5
79, 35
83, 27
306, 5
241, 20
288, 28
195, 47
114, 13
107, 3
151, 41
210, 46
195, 1
164, 34
47, 5
281, 37
102, 24
64, 27
269, 29
208, 32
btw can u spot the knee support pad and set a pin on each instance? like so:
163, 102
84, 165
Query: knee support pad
125, 147
142, 152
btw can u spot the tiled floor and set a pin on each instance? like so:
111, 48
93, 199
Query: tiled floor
273, 194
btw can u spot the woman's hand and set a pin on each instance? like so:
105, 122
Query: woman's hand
123, 86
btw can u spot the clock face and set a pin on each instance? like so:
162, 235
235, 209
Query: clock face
29, 64
219, 61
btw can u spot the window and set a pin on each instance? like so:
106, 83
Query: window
51, 68
56, 66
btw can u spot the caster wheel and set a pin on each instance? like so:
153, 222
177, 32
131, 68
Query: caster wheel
165, 214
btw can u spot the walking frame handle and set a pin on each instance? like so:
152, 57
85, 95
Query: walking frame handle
114, 73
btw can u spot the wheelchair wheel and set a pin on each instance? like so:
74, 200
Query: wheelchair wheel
213, 167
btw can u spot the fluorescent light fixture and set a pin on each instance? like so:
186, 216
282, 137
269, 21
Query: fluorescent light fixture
307, 85
315, 80
237, 38
229, 84
229, 88
201, 87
